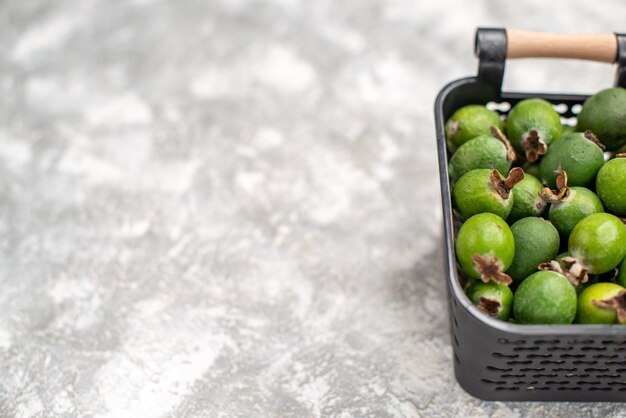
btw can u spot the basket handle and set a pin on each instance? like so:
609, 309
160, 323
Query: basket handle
526, 44
495, 45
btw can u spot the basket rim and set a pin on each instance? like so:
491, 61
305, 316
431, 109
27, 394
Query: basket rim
451, 271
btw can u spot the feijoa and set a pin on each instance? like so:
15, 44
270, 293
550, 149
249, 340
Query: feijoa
526, 199
611, 185
482, 152
601, 303
492, 298
603, 114
532, 125
536, 242
579, 154
598, 242
532, 168
485, 248
484, 190
569, 205
469, 122
545, 297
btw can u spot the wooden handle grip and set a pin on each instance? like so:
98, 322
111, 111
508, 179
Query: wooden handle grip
525, 44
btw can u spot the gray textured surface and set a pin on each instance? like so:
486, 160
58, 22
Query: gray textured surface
231, 208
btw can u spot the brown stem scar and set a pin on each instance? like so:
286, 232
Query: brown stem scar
490, 269
617, 303
569, 267
591, 137
489, 306
561, 193
504, 186
515, 176
561, 179
534, 146
510, 152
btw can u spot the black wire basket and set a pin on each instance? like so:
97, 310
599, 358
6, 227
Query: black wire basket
497, 360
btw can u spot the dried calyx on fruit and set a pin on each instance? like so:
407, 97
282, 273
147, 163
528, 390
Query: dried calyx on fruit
617, 303
489, 306
561, 193
490, 269
532, 125
534, 145
591, 137
492, 298
504, 186
568, 267
510, 152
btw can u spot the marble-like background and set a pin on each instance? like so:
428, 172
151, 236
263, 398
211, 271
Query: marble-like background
231, 208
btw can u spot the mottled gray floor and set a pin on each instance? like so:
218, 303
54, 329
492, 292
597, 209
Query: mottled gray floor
231, 208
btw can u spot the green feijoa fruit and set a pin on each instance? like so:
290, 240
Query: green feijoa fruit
579, 154
532, 168
601, 303
621, 274
566, 213
569, 205
485, 248
532, 125
482, 152
536, 242
469, 122
484, 190
545, 297
598, 242
492, 298
603, 114
611, 185
567, 129
526, 199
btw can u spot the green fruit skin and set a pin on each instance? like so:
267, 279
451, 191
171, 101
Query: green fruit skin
575, 154
581, 203
474, 193
545, 297
532, 168
526, 200
485, 234
531, 114
481, 152
621, 275
599, 242
495, 291
603, 113
611, 186
588, 313
536, 242
473, 120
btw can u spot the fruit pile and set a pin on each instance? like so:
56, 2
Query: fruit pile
543, 210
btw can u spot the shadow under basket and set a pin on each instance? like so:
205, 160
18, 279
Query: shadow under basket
497, 360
